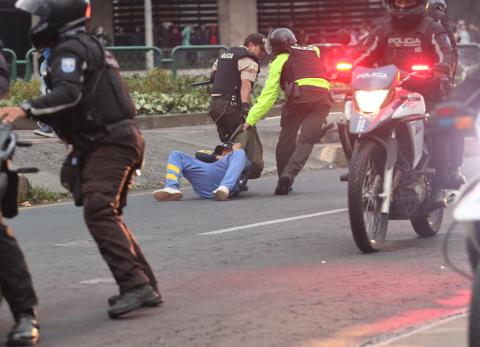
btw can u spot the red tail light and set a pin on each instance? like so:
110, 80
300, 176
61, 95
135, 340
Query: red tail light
420, 68
88, 11
344, 66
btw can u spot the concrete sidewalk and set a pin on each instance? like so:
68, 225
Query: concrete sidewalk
451, 332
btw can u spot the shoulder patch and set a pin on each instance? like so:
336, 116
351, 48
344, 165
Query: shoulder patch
68, 65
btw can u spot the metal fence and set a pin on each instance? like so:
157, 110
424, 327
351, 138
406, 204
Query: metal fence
134, 59
11, 59
194, 57
137, 58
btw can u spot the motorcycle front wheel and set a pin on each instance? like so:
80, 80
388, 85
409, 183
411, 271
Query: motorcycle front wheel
365, 185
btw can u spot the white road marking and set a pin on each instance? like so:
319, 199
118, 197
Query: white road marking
98, 281
74, 243
274, 221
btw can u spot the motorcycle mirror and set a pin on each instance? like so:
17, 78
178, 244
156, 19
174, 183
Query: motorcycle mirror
344, 37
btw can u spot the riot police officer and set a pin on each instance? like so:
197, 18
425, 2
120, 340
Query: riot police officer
90, 109
15, 280
437, 9
233, 75
299, 71
408, 36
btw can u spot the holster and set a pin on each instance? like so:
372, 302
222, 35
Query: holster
292, 91
71, 175
9, 198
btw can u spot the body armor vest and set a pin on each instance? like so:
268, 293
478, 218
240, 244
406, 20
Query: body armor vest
105, 100
303, 62
227, 78
407, 48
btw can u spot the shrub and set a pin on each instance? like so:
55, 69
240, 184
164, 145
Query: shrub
154, 93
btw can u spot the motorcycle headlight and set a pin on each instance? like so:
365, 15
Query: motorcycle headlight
370, 101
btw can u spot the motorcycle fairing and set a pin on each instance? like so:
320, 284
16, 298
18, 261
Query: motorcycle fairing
406, 104
416, 130
413, 104
385, 77
362, 124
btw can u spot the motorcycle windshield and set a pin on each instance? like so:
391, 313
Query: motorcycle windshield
385, 77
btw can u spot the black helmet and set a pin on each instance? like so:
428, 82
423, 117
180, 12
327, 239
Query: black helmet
279, 39
406, 9
440, 5
55, 17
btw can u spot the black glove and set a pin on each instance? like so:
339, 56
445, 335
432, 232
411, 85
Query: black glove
245, 108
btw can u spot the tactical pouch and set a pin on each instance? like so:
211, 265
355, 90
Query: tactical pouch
71, 176
292, 91
9, 198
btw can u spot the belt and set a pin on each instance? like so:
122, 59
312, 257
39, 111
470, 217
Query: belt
114, 125
233, 97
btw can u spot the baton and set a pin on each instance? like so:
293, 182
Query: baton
202, 83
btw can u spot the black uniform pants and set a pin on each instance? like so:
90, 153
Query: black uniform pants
447, 149
227, 116
309, 117
107, 174
15, 280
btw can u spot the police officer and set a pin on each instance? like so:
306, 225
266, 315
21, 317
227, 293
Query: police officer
234, 74
90, 108
15, 281
408, 37
298, 70
437, 9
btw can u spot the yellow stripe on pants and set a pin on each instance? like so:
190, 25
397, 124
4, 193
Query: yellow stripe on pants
172, 177
173, 168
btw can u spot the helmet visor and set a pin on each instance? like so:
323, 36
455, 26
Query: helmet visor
30, 6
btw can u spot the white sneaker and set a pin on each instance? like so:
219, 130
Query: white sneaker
167, 194
221, 193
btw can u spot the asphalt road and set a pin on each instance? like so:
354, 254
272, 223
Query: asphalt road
259, 270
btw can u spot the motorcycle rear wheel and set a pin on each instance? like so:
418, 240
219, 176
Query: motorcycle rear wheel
428, 225
365, 184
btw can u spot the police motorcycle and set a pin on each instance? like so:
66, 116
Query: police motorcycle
9, 174
383, 137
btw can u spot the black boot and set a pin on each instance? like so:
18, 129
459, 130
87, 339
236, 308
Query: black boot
284, 185
154, 302
25, 332
133, 299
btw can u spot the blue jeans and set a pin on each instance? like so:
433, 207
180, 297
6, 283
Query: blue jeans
206, 177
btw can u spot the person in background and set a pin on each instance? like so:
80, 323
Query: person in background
44, 130
186, 35
463, 32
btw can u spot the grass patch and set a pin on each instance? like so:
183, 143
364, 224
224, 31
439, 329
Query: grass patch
42, 195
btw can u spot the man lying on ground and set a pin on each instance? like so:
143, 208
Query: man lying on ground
219, 175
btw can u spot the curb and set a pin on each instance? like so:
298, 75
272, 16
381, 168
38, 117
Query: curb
168, 120
156, 121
